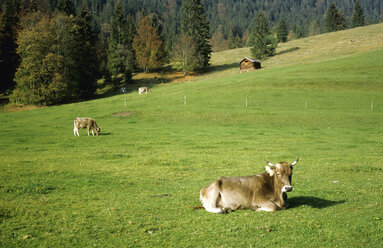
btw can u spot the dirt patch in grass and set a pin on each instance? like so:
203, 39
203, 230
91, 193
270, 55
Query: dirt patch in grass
123, 114
18, 107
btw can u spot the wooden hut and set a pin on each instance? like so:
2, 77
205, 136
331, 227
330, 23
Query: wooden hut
247, 64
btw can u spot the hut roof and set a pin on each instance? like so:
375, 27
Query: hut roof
252, 60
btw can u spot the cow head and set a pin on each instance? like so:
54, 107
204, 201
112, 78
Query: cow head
96, 128
282, 173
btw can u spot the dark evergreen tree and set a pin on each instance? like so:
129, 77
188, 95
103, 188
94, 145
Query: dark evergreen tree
86, 69
358, 18
341, 22
171, 25
9, 60
264, 43
131, 33
334, 19
282, 31
121, 57
331, 18
77, 46
194, 23
66, 7
33, 5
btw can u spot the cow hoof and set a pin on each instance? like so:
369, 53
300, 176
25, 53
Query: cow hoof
223, 211
226, 211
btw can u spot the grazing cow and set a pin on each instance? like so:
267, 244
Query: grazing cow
265, 191
143, 89
87, 123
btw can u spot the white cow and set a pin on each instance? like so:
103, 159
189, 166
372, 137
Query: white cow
143, 89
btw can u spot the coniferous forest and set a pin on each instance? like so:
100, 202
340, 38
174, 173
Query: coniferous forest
54, 51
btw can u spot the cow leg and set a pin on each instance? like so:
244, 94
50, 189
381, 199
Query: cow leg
267, 206
261, 203
75, 131
209, 197
92, 132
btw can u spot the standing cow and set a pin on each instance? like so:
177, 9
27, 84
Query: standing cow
265, 191
87, 123
143, 89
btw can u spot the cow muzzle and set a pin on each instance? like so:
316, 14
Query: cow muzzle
287, 188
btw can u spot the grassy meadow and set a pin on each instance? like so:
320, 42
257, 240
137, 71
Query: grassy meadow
136, 184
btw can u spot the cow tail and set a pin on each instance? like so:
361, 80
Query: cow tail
198, 207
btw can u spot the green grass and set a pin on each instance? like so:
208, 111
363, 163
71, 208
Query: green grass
137, 183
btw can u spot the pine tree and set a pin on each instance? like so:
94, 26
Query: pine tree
148, 45
171, 27
358, 18
194, 23
9, 60
341, 21
66, 7
263, 43
86, 67
131, 54
331, 18
335, 19
282, 31
121, 58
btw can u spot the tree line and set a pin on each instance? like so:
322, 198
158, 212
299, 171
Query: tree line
57, 56
53, 51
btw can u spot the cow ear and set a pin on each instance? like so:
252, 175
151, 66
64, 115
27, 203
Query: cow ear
270, 170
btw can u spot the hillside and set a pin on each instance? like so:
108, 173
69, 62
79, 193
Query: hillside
136, 184
297, 52
312, 49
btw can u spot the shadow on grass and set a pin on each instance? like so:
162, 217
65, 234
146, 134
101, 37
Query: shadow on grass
293, 49
103, 134
311, 201
223, 67
4, 100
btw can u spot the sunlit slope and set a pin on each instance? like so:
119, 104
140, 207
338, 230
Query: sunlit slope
312, 49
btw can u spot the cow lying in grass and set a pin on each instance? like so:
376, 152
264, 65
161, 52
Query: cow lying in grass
265, 191
87, 123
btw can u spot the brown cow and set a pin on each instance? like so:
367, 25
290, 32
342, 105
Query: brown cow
265, 191
87, 123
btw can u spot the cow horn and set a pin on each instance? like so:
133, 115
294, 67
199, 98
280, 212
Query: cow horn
268, 162
295, 162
